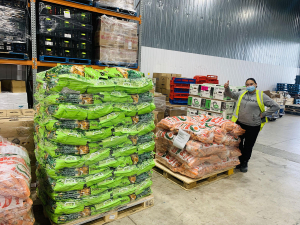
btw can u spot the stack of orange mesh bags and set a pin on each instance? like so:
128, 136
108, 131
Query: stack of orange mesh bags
212, 145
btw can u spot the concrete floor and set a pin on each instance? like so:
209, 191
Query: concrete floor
268, 194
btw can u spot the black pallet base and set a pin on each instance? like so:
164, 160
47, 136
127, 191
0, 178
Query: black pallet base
83, 2
13, 55
115, 64
55, 59
115, 9
293, 113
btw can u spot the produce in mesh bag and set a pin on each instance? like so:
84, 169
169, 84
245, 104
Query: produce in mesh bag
100, 86
54, 124
78, 99
144, 128
237, 130
169, 161
170, 122
145, 97
145, 138
199, 149
143, 118
133, 86
16, 211
133, 74
14, 171
198, 132
219, 135
56, 149
232, 141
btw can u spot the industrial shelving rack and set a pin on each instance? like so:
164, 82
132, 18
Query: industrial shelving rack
35, 63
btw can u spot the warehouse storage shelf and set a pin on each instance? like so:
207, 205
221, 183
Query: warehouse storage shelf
94, 9
16, 62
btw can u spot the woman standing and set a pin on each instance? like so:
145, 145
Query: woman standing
251, 116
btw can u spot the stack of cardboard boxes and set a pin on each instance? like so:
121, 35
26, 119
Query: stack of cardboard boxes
17, 127
211, 99
13, 95
163, 83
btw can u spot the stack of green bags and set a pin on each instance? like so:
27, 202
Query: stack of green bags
94, 140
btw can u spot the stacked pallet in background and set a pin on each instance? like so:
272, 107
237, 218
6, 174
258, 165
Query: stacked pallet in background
94, 144
65, 34
17, 127
14, 30
122, 6
163, 83
210, 99
197, 146
211, 79
116, 42
15, 181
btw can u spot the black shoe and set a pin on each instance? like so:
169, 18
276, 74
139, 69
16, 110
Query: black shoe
244, 167
238, 166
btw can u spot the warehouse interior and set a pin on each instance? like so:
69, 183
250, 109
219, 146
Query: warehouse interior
145, 112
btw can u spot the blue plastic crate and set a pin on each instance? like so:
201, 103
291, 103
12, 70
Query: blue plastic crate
56, 59
294, 87
184, 80
181, 90
297, 101
178, 101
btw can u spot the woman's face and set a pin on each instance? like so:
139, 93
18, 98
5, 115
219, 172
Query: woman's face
251, 83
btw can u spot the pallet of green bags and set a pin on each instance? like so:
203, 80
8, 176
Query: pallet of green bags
124, 211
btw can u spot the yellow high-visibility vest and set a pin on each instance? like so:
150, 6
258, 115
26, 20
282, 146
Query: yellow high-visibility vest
260, 104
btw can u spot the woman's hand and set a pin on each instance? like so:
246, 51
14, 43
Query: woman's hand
226, 85
261, 116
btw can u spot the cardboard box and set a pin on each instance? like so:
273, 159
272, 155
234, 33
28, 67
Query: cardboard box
219, 93
289, 101
13, 101
14, 86
192, 112
195, 89
165, 82
3, 113
108, 39
159, 90
207, 91
176, 75
196, 102
166, 92
202, 112
217, 106
176, 111
23, 127
230, 106
159, 115
163, 79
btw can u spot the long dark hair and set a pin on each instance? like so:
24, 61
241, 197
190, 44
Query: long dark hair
252, 80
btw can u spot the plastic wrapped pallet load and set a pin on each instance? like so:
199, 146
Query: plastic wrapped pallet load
15, 181
211, 146
94, 140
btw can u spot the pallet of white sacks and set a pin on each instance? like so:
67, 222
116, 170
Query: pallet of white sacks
189, 183
119, 213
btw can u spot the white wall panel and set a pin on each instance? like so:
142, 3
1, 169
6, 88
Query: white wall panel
156, 60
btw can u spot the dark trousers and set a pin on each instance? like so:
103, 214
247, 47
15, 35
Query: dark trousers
248, 140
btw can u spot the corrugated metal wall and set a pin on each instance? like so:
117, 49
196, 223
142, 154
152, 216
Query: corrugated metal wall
264, 31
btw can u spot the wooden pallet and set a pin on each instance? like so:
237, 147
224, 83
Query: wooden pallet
188, 183
119, 213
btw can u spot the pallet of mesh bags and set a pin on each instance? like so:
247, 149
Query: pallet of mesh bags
15, 177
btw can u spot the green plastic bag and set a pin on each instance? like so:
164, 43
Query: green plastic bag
146, 192
71, 112
146, 97
102, 207
126, 171
96, 178
133, 74
127, 108
56, 149
94, 74
123, 191
68, 137
96, 199
145, 166
146, 147
115, 141
116, 96
78, 99
62, 218
67, 184
125, 151
69, 207
145, 107
95, 157
112, 119
100, 86
64, 69
144, 128
145, 138
95, 112
121, 130
113, 72
64, 161
134, 86
97, 135
140, 187
54, 124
